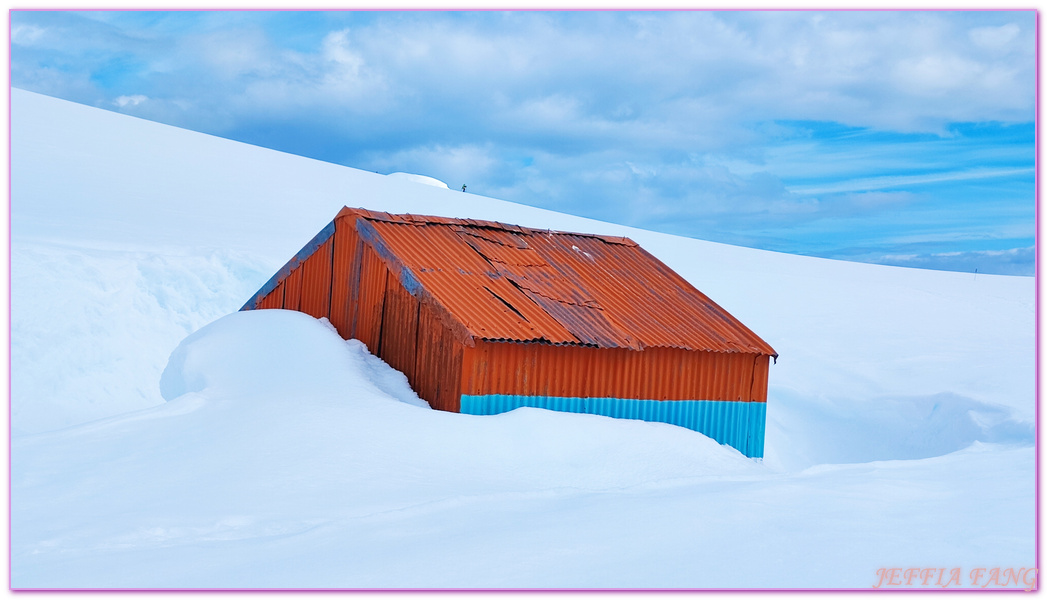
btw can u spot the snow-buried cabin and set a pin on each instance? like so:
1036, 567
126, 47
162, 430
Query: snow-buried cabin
485, 317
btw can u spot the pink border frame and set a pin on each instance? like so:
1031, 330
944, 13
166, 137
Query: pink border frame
539, 590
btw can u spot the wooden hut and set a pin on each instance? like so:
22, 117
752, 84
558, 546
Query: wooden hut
485, 317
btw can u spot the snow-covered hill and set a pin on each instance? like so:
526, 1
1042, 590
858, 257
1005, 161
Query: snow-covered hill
899, 417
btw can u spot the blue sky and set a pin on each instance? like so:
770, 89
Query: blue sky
895, 137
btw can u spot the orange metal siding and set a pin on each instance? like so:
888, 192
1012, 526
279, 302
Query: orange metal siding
517, 369
275, 299
344, 276
293, 290
399, 329
761, 372
316, 282
438, 360
367, 322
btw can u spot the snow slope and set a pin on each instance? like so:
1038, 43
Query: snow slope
419, 179
275, 449
899, 418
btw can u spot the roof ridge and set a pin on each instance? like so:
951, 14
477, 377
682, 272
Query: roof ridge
374, 215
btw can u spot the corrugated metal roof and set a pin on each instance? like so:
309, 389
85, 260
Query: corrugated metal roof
506, 282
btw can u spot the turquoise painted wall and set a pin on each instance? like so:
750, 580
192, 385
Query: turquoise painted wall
737, 424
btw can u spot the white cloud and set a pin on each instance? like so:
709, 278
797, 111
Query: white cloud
936, 75
336, 49
1015, 261
893, 181
453, 164
26, 34
692, 77
135, 100
558, 109
995, 37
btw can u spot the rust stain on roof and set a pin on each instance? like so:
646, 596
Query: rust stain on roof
510, 283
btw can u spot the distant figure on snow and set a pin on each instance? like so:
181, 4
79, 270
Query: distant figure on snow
463, 187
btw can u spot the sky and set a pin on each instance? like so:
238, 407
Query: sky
903, 138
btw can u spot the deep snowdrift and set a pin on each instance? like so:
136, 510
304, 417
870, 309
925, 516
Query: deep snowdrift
264, 470
276, 462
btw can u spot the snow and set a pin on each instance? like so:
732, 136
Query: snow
275, 448
92, 328
423, 179
161, 439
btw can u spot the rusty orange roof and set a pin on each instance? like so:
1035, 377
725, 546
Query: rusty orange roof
512, 283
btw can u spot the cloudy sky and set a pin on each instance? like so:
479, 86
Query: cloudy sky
896, 137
